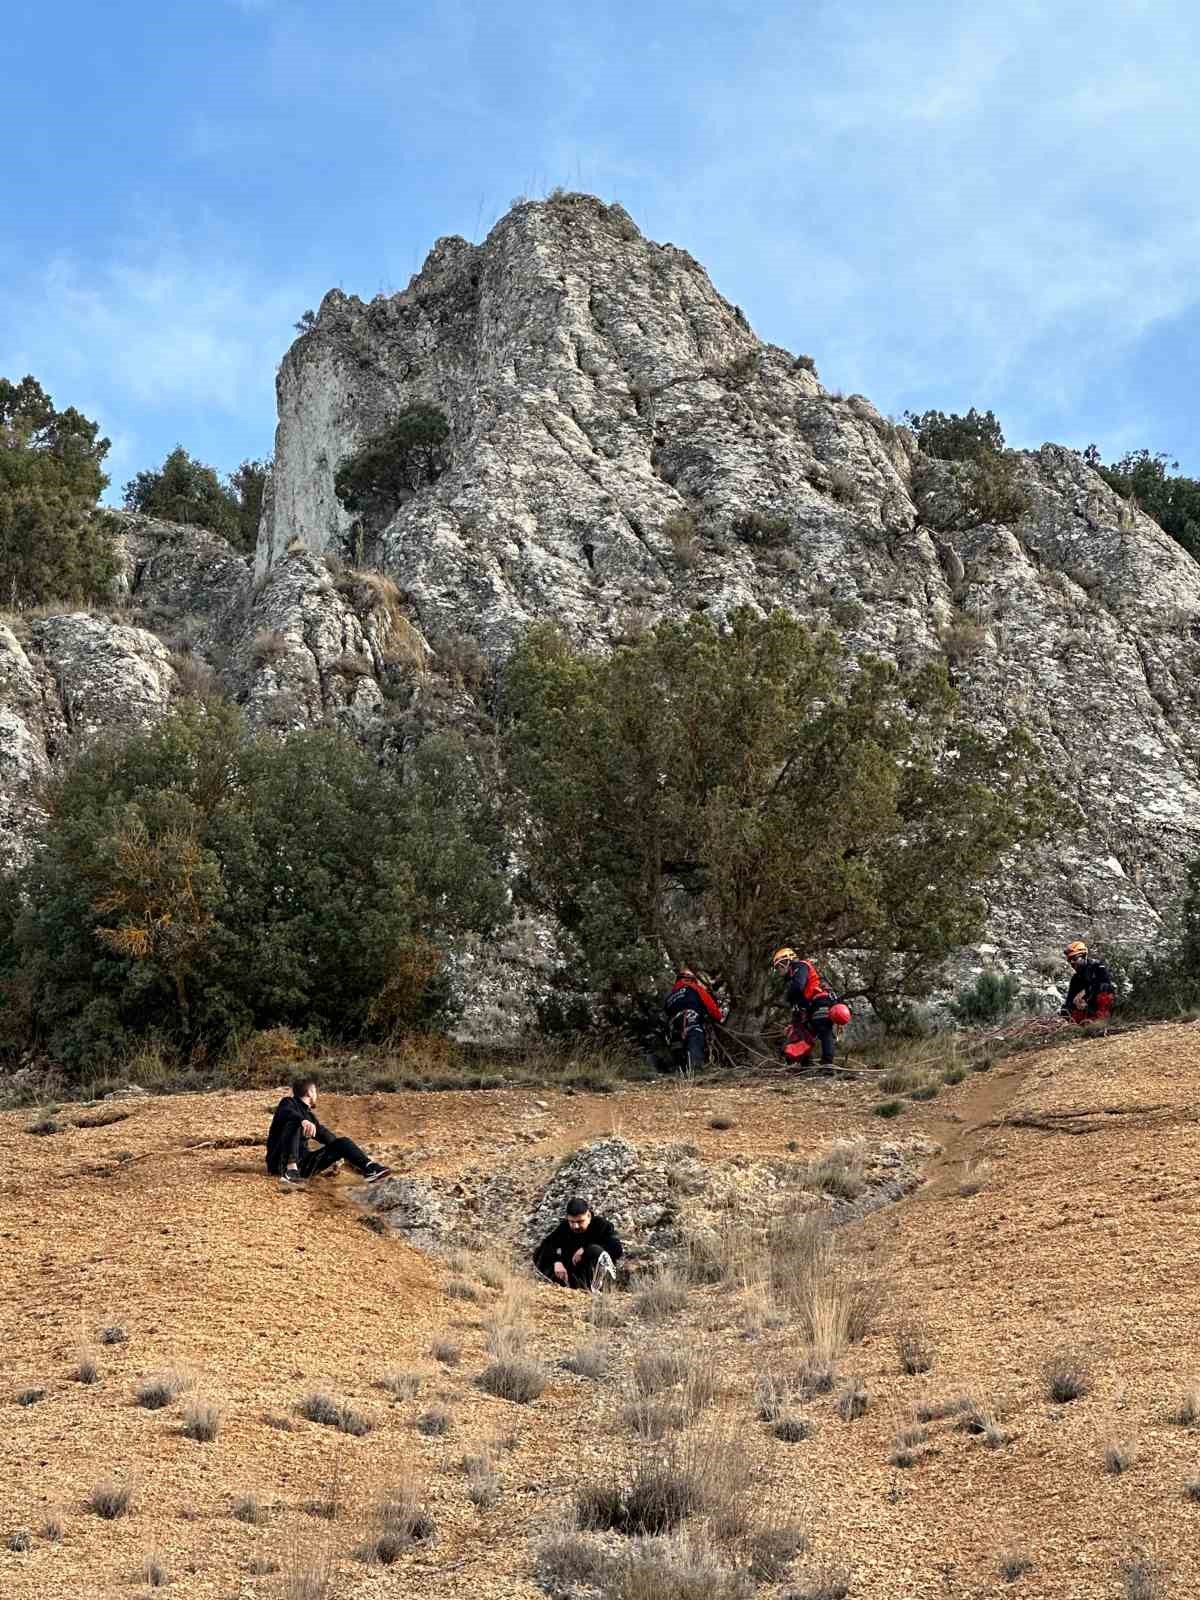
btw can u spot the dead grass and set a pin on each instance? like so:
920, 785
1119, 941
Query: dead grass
435, 1423
1014, 1563
652, 1420
398, 1522
938, 1409
87, 1367
853, 1402
1142, 1578
268, 647
566, 1561
52, 1528
330, 1413
483, 1481
793, 1430
110, 1499
1187, 1411
446, 1351
681, 1567
976, 1416
401, 1385
248, 1508
460, 1289
19, 1541
659, 1369
201, 1421
154, 1573
591, 1360
1066, 1376
664, 1295
1118, 1453
829, 1580
840, 1172
29, 1397
772, 1549
914, 1348
909, 1446
514, 1377
773, 1395
160, 1391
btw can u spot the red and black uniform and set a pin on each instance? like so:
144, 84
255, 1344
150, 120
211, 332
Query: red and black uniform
1092, 994
810, 1001
690, 1008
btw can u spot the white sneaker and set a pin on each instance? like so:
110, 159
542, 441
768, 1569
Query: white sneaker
604, 1273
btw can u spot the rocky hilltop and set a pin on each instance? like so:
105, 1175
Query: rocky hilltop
623, 447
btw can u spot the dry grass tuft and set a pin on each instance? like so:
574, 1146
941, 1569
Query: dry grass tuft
514, 1377
937, 1410
110, 1500
566, 1561
52, 1529
1118, 1453
154, 1573
460, 1289
398, 1522
201, 1421
653, 1419
20, 1540
446, 1351
483, 1481
909, 1446
1142, 1578
975, 1176
659, 1369
676, 1568
87, 1367
1187, 1411
853, 1402
663, 1295
1066, 1376
772, 1396
827, 1581
772, 1549
401, 1385
591, 1360
838, 1173
977, 1417
435, 1423
914, 1348
155, 1394
1014, 1563
330, 1413
248, 1508
793, 1430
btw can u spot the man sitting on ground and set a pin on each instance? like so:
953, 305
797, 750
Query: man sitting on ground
1092, 993
582, 1250
294, 1124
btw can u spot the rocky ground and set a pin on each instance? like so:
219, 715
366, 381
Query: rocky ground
1057, 1212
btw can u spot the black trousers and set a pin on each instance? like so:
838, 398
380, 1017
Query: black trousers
579, 1277
313, 1161
825, 1038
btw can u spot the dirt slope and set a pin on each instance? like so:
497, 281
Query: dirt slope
1083, 1233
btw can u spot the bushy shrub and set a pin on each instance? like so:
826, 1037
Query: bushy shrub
759, 528
951, 436
185, 490
1155, 484
991, 998
194, 883
54, 543
375, 481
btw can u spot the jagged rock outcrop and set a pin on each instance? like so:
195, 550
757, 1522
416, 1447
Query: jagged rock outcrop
624, 447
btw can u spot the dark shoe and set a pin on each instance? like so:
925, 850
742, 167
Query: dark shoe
292, 1178
375, 1172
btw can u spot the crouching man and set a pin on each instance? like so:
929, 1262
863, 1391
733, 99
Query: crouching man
294, 1124
581, 1252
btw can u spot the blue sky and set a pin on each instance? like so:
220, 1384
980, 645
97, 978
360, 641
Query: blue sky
944, 204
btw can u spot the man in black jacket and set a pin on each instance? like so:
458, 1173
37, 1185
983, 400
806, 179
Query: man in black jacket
294, 1124
1092, 993
582, 1250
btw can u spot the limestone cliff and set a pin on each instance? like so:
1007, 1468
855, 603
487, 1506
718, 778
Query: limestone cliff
624, 448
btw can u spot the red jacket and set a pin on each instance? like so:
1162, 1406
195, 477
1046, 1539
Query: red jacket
703, 998
804, 982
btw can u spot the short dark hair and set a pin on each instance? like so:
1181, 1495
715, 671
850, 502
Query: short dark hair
301, 1085
578, 1207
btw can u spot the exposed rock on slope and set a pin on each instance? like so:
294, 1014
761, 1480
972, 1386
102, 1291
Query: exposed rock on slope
624, 447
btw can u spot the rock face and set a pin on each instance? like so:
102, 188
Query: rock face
619, 435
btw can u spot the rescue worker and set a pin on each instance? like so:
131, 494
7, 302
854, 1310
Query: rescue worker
1092, 993
810, 1000
690, 1008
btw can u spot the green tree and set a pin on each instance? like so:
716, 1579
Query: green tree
195, 882
185, 490
951, 436
54, 542
1158, 487
248, 485
707, 796
413, 451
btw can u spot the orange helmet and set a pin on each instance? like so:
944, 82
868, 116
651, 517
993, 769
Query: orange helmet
784, 954
1075, 948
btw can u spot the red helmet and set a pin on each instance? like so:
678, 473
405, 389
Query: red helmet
840, 1013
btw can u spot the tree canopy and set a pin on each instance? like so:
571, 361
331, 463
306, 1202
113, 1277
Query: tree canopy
185, 490
54, 542
194, 882
705, 795
1159, 488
